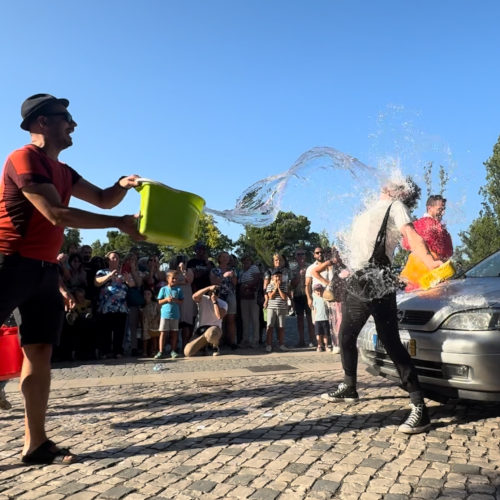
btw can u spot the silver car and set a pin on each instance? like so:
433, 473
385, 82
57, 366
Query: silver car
452, 332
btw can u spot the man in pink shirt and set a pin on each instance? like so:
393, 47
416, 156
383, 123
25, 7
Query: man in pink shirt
432, 230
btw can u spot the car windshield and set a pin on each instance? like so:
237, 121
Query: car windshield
487, 268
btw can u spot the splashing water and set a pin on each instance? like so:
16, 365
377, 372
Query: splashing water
323, 183
399, 139
468, 302
331, 187
320, 177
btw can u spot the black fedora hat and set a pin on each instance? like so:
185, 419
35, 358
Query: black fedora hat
32, 106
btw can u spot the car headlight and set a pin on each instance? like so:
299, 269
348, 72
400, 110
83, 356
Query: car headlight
479, 319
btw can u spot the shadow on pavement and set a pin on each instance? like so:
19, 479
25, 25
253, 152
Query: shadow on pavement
179, 418
273, 395
128, 360
319, 427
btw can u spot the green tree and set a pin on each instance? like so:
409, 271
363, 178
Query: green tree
443, 179
123, 243
324, 240
209, 233
483, 235
71, 238
283, 235
400, 257
119, 242
428, 178
98, 248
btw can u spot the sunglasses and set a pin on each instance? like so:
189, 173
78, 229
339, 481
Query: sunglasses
297, 254
319, 253
65, 114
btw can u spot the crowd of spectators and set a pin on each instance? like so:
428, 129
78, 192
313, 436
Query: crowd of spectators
112, 305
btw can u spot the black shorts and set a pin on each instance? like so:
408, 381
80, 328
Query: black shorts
322, 327
300, 305
33, 287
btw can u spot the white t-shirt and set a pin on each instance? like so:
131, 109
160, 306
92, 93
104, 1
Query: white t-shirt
325, 274
366, 227
207, 315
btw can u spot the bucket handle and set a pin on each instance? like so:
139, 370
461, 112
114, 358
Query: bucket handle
143, 180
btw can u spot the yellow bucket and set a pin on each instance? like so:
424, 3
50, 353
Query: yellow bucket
441, 273
168, 216
414, 270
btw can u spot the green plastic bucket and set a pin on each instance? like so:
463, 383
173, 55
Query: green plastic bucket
168, 216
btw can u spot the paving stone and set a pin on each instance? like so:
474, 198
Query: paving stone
82, 495
374, 463
202, 485
481, 488
465, 469
297, 468
265, 494
129, 473
426, 493
380, 444
370, 496
478, 496
241, 479
241, 492
431, 482
451, 494
35, 493
436, 457
117, 492
70, 488
400, 489
324, 485
160, 439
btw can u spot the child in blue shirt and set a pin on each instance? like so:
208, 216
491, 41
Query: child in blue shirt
170, 298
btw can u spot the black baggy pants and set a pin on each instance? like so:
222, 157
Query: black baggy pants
355, 313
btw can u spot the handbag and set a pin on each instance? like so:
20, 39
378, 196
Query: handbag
376, 279
335, 291
11, 359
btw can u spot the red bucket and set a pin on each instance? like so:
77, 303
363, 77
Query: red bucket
11, 355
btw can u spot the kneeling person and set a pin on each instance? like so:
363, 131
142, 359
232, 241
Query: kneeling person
211, 310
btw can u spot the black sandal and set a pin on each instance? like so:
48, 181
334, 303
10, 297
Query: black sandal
48, 453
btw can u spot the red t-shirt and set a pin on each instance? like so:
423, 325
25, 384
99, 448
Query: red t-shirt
23, 229
435, 235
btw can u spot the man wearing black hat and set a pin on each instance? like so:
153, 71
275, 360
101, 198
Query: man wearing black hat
35, 189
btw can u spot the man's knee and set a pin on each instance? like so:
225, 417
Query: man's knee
37, 353
213, 335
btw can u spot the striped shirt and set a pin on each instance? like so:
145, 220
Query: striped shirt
277, 302
249, 275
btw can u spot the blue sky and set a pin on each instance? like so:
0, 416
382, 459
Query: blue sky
211, 96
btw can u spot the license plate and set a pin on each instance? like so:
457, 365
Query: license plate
409, 343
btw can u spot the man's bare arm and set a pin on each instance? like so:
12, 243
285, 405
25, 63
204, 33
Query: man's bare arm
46, 199
104, 198
202, 291
315, 271
418, 246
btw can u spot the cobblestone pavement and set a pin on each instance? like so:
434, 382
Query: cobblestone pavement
246, 425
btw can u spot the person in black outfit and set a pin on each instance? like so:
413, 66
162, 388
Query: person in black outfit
371, 291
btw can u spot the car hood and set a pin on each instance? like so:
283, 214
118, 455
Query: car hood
427, 309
